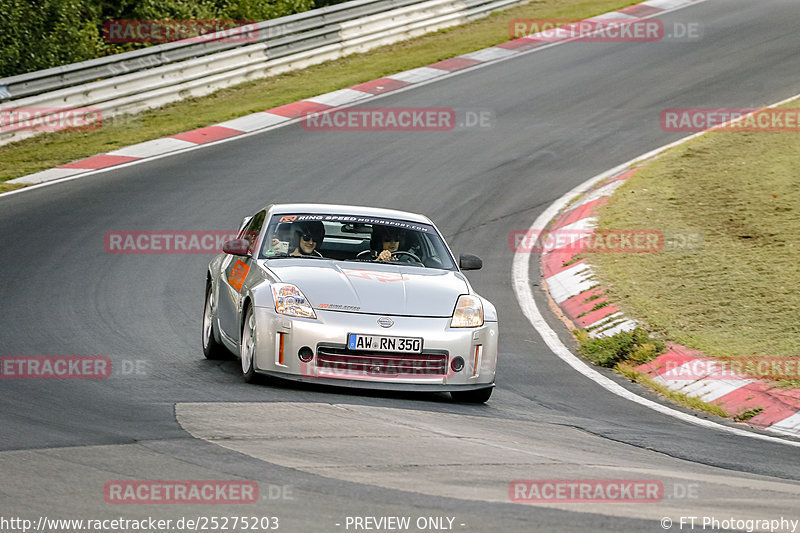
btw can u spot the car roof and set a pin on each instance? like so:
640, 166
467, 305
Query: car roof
356, 210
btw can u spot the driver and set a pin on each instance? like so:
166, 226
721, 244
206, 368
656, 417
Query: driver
384, 241
308, 237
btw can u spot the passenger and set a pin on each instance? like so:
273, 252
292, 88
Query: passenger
309, 236
283, 234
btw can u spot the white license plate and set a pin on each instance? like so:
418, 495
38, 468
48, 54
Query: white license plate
380, 343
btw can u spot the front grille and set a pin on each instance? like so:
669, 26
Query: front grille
340, 360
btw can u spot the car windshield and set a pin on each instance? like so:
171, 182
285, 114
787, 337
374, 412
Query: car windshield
355, 238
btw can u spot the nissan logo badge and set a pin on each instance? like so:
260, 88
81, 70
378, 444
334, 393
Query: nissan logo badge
385, 322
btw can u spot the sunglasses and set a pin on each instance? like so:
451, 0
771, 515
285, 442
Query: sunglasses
308, 237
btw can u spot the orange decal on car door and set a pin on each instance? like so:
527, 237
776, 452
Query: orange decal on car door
239, 272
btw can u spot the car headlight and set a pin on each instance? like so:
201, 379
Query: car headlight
290, 301
468, 312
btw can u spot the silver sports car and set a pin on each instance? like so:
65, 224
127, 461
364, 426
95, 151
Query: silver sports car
350, 296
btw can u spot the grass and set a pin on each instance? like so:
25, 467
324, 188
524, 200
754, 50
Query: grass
635, 347
738, 296
747, 415
54, 149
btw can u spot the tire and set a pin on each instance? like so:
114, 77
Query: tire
211, 348
248, 346
472, 396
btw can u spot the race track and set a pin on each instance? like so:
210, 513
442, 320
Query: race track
561, 116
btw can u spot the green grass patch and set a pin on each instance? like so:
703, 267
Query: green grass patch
54, 149
738, 296
594, 308
747, 415
635, 347
676, 397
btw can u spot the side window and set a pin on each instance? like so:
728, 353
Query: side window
253, 229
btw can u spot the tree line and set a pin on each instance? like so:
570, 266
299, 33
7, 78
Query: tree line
40, 34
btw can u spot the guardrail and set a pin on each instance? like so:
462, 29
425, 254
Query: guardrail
157, 75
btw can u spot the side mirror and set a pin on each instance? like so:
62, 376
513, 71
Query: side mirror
469, 262
236, 247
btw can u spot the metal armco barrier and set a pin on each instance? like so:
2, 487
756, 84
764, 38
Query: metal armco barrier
154, 76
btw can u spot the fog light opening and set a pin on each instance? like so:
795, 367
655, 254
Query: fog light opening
457, 364
305, 354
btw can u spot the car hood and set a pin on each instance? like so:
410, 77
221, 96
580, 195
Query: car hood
374, 288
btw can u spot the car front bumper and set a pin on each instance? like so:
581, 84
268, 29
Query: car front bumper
280, 340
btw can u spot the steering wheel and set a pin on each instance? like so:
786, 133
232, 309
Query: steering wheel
394, 254
398, 253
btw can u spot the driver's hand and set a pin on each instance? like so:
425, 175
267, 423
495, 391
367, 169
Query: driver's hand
385, 255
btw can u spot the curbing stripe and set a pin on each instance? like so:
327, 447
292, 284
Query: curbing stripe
522, 44
583, 224
100, 161
570, 282
298, 109
674, 358
757, 395
417, 75
586, 210
553, 263
621, 327
489, 54
709, 390
380, 86
151, 148
614, 15
606, 190
640, 10
788, 425
340, 97
253, 122
46, 176
207, 135
666, 5
577, 304
455, 63
598, 315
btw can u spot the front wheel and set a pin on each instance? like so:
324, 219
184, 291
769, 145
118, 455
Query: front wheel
248, 349
472, 396
211, 348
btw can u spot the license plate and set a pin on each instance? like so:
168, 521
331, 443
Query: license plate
380, 343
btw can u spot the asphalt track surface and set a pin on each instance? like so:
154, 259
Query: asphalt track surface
562, 115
